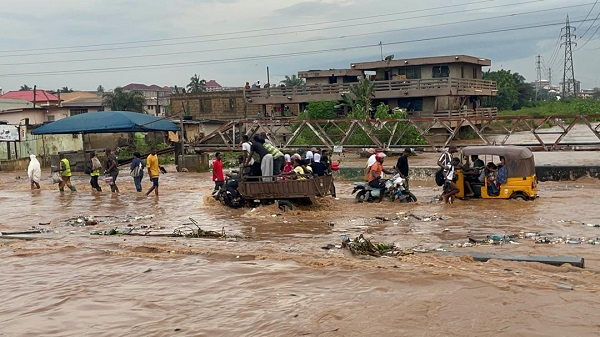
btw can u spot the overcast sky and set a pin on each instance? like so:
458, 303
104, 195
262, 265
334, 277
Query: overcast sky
83, 44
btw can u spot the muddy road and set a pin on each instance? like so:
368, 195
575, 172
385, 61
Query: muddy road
271, 275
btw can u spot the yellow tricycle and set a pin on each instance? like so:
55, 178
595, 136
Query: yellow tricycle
511, 177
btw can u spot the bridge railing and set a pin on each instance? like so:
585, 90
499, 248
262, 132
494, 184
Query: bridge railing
538, 132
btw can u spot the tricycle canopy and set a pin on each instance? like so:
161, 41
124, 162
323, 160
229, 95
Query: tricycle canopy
519, 160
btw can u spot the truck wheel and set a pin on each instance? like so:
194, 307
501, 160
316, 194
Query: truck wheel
285, 205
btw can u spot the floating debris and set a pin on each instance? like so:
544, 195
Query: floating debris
362, 246
564, 287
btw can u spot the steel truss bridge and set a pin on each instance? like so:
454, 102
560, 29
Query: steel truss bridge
547, 133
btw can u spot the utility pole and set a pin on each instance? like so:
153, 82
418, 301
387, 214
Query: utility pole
158, 105
549, 77
568, 72
538, 68
381, 49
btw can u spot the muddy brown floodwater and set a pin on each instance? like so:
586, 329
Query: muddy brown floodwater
272, 278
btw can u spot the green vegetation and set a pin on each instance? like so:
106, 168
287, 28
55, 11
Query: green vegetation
143, 148
323, 110
196, 85
292, 81
573, 106
121, 100
319, 110
513, 92
360, 99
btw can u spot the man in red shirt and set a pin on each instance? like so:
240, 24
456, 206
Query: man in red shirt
218, 177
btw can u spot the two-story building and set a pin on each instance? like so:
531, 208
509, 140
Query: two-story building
157, 98
427, 86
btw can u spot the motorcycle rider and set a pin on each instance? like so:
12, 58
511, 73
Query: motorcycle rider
375, 174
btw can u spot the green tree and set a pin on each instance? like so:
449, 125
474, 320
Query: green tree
65, 89
121, 100
360, 98
293, 81
320, 110
507, 95
513, 92
100, 90
24, 87
196, 85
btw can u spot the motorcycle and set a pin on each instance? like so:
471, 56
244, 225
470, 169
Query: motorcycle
400, 190
228, 194
393, 189
366, 193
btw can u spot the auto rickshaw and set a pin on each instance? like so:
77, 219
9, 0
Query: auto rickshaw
521, 182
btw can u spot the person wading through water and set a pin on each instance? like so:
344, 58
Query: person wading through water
112, 169
153, 171
65, 172
95, 173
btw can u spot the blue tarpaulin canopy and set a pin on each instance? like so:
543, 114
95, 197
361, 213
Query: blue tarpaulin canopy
106, 122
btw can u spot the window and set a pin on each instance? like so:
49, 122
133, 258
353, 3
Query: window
232, 104
411, 104
410, 73
475, 73
50, 118
440, 71
74, 112
205, 106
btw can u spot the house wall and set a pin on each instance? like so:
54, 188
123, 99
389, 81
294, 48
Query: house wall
457, 70
43, 146
37, 116
214, 105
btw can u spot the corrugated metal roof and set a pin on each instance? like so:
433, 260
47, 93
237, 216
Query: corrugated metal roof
14, 103
41, 95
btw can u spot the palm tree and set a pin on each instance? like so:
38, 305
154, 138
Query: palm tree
360, 98
293, 81
121, 100
196, 85
24, 87
100, 90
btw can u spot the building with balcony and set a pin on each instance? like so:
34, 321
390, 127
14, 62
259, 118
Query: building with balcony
427, 86
157, 98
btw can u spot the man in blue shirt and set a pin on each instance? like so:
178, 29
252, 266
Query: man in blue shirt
502, 174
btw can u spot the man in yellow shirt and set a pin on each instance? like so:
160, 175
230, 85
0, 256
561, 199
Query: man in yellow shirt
153, 171
64, 167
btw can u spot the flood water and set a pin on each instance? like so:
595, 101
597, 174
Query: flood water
272, 277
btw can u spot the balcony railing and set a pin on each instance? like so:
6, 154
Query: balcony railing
416, 86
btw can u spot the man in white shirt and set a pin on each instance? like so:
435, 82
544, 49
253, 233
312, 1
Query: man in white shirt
247, 147
450, 188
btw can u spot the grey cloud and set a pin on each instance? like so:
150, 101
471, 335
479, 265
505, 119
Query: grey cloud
306, 9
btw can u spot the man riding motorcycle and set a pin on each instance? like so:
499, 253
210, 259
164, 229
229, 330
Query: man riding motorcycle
375, 174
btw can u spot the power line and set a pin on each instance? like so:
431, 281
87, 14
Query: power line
555, 53
588, 14
238, 59
278, 33
289, 42
591, 25
588, 40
